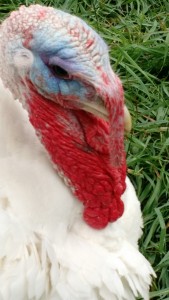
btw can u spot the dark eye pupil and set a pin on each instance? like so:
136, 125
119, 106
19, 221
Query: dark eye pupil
60, 72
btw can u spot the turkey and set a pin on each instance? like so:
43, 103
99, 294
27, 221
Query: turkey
69, 217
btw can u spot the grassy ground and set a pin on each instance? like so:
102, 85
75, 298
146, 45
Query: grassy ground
137, 33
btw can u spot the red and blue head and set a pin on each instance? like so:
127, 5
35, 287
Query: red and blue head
59, 68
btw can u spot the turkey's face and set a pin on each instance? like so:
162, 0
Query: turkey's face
59, 68
65, 61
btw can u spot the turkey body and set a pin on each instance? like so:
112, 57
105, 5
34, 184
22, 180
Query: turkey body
47, 251
58, 68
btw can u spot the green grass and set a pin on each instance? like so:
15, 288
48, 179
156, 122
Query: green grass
137, 33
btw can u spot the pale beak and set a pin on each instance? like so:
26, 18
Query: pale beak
98, 109
127, 120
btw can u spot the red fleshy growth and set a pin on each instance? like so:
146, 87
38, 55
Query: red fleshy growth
42, 13
89, 43
79, 144
28, 39
116, 110
97, 218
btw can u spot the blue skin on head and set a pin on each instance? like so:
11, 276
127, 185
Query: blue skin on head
55, 51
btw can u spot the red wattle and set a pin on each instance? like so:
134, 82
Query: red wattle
78, 144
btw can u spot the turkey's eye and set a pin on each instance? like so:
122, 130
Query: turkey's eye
59, 72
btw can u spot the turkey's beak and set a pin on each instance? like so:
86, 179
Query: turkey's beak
98, 109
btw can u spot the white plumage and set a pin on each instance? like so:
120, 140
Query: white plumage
47, 251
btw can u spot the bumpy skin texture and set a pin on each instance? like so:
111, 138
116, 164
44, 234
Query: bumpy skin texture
89, 151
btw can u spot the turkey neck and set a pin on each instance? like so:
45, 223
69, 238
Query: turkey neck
77, 144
